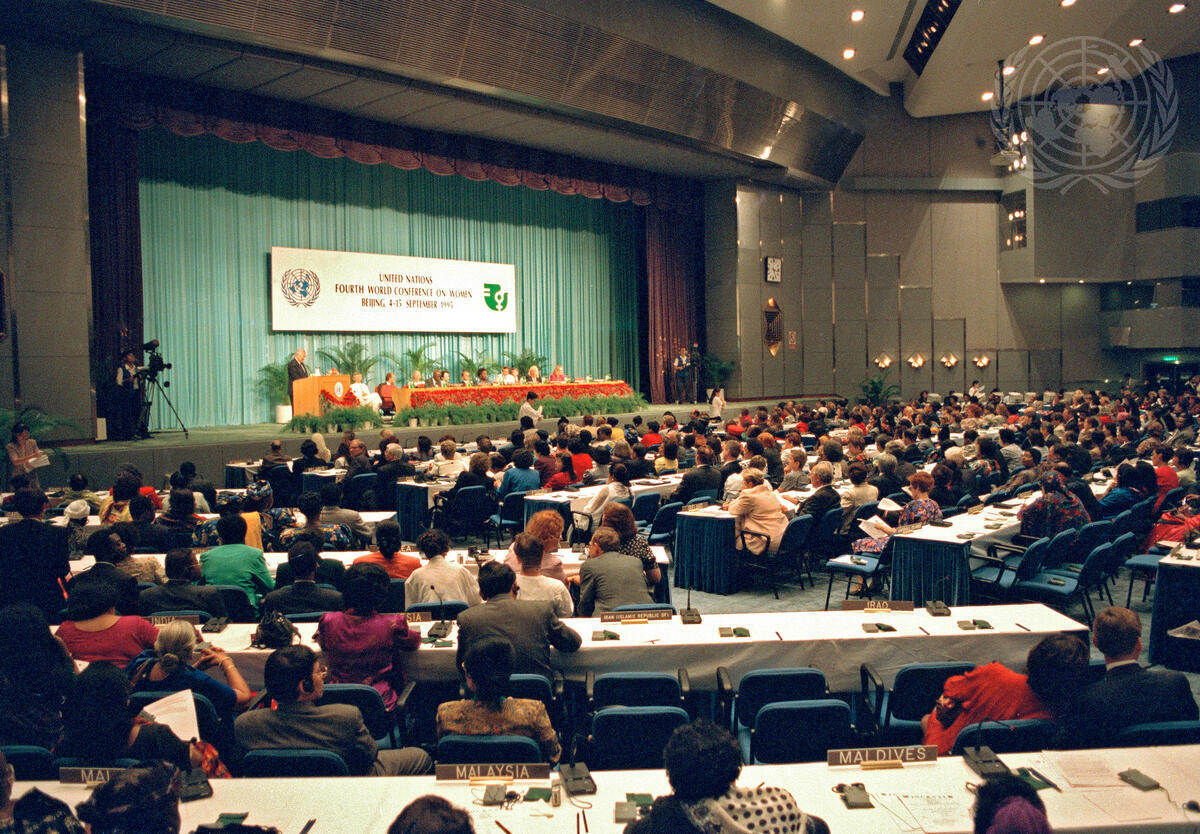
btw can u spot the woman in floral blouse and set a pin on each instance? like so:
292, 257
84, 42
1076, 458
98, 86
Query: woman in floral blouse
921, 508
1056, 510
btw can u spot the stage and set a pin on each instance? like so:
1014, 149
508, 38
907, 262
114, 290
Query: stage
211, 448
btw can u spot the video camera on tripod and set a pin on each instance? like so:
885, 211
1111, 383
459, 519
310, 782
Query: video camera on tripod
155, 364
153, 368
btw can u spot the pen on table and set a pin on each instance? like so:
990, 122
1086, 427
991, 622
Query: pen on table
308, 826
1044, 779
585, 828
502, 828
1022, 627
926, 633
576, 822
780, 636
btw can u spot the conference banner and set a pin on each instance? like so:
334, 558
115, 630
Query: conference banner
315, 289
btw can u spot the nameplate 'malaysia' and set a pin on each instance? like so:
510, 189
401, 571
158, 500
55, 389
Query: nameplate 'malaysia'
509, 771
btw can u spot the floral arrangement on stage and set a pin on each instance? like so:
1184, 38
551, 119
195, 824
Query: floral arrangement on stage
481, 394
490, 411
347, 400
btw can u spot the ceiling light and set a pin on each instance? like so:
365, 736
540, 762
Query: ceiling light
1102, 71
848, 53
1137, 42
1176, 8
1041, 280
1036, 39
1067, 3
1009, 70
988, 96
857, 15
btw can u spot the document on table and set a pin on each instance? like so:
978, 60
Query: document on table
887, 505
1128, 804
1083, 768
872, 527
938, 812
177, 711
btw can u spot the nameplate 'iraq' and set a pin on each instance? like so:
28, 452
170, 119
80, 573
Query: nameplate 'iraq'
877, 605
462, 772
857, 756
622, 616
87, 775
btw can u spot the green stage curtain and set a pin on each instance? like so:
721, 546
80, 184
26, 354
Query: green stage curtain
211, 210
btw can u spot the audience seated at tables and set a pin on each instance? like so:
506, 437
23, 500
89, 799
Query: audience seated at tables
668, 458
115, 507
431, 814
859, 493
920, 508
395, 465
333, 536
437, 577
620, 518
302, 593
235, 562
265, 522
1121, 494
361, 645
1007, 804
794, 476
476, 474
565, 474
275, 456
180, 516
174, 665
489, 711
99, 727
180, 592
150, 536
609, 578
617, 487
388, 541
33, 556
309, 458
825, 497
530, 626
703, 762
76, 514
521, 476
332, 512
36, 673
531, 585
77, 489
143, 799
1128, 693
704, 477
1055, 670
449, 463
93, 630
295, 679
757, 510
357, 461
1054, 510
35, 812
111, 552
547, 527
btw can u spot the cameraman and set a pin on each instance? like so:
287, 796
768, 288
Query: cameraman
130, 382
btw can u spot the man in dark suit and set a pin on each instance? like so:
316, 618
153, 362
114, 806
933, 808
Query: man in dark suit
885, 479
701, 477
33, 556
296, 370
609, 578
395, 466
825, 498
180, 591
295, 679
109, 547
731, 459
1128, 693
530, 625
149, 534
303, 594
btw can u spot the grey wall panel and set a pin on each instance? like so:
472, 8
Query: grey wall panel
748, 200
1012, 370
986, 375
818, 241
818, 305
1030, 316
850, 299
791, 215
818, 371
900, 224
916, 336
720, 215
916, 303
850, 358
949, 336
749, 317
770, 222
883, 287
849, 240
1045, 370
817, 209
884, 337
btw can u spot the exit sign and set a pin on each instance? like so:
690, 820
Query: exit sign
1170, 359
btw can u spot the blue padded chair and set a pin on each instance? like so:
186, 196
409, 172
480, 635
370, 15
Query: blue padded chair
306, 616
447, 610
1004, 565
466, 513
791, 546
759, 688
380, 723
699, 500
510, 517
967, 501
202, 616
1124, 522
208, 721
237, 604
1051, 587
1024, 735
1143, 566
800, 731
76, 761
460, 749
1172, 499
1061, 548
540, 688
897, 713
644, 508
867, 567
636, 689
1158, 734
357, 487
632, 738
647, 606
706, 494
293, 761
1091, 535
395, 598
284, 485
30, 763
662, 530
825, 542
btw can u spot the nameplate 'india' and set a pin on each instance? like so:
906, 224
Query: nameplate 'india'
855, 756
163, 619
883, 605
461, 772
87, 775
622, 616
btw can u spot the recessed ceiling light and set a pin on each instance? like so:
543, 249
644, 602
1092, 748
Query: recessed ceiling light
988, 96
1102, 71
1009, 70
1041, 280
1137, 42
1036, 39
1081, 280
857, 15
1176, 8
1067, 3
848, 53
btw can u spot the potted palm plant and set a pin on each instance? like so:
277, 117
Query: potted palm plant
273, 381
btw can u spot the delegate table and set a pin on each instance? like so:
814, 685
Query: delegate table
476, 394
832, 641
932, 797
567, 502
1176, 602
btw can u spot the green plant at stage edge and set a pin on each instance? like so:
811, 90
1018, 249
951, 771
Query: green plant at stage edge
273, 381
457, 414
335, 419
877, 390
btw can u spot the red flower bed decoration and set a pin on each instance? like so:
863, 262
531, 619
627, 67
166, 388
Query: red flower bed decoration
475, 394
347, 401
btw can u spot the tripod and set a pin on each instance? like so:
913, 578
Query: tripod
144, 421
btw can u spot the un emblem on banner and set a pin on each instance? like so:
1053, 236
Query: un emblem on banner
494, 297
300, 287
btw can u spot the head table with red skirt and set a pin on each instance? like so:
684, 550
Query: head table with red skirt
475, 394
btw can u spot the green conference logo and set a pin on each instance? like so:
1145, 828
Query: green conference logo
494, 297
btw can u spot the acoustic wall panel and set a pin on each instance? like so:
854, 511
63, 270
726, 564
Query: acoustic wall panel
949, 337
883, 288
850, 357
1012, 371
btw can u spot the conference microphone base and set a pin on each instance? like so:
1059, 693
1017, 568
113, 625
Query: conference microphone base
689, 616
440, 630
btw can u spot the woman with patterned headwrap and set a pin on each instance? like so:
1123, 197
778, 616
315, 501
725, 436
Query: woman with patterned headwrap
1057, 509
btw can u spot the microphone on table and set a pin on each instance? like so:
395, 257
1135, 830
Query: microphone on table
689, 615
441, 628
981, 758
937, 607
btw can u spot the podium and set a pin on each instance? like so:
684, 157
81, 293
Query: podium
306, 393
